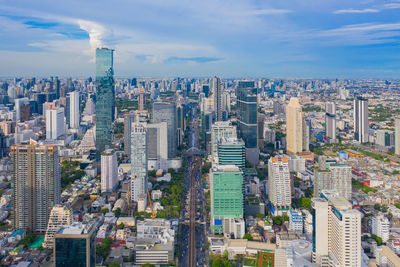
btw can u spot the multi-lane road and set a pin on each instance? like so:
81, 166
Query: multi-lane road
192, 235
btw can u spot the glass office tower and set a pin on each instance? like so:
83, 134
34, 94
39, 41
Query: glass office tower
163, 111
105, 98
247, 118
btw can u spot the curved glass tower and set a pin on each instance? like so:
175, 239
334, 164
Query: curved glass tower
105, 98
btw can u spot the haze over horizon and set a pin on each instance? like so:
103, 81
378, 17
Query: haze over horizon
299, 39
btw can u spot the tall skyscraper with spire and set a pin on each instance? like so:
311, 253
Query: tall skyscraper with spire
294, 127
105, 98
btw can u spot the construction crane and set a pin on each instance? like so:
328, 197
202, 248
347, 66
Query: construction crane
153, 213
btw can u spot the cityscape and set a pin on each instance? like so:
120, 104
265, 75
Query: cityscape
190, 158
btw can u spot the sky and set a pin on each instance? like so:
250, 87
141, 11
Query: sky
198, 38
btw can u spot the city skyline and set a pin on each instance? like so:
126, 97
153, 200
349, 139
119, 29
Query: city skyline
343, 39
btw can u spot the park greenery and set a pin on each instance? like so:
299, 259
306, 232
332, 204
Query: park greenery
220, 261
278, 220
377, 239
173, 193
70, 171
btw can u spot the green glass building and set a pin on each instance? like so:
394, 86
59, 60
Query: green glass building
105, 98
226, 195
231, 151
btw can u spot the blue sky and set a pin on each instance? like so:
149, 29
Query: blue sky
165, 38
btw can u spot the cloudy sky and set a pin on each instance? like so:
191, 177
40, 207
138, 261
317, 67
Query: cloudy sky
243, 38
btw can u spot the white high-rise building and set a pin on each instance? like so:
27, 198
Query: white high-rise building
74, 115
59, 216
279, 184
139, 148
380, 226
397, 136
294, 127
330, 121
295, 221
219, 131
361, 120
337, 231
55, 126
109, 171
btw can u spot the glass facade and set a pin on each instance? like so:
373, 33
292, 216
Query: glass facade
105, 98
232, 153
74, 252
163, 111
247, 113
227, 195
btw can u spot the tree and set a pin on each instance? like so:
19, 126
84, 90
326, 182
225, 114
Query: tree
104, 210
114, 264
247, 236
259, 215
28, 240
147, 265
306, 203
117, 212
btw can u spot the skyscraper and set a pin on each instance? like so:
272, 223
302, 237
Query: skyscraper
216, 85
138, 161
105, 98
361, 119
163, 111
128, 119
280, 195
294, 127
157, 143
306, 133
330, 121
35, 175
337, 231
74, 110
109, 171
247, 118
226, 185
141, 100
397, 136
55, 126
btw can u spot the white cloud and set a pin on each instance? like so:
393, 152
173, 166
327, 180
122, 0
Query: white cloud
356, 11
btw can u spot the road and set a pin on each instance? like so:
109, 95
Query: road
192, 228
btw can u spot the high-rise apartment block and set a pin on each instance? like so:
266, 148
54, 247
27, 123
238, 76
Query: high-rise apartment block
35, 173
335, 177
360, 114
337, 231
139, 146
279, 185
105, 99
294, 127
109, 171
